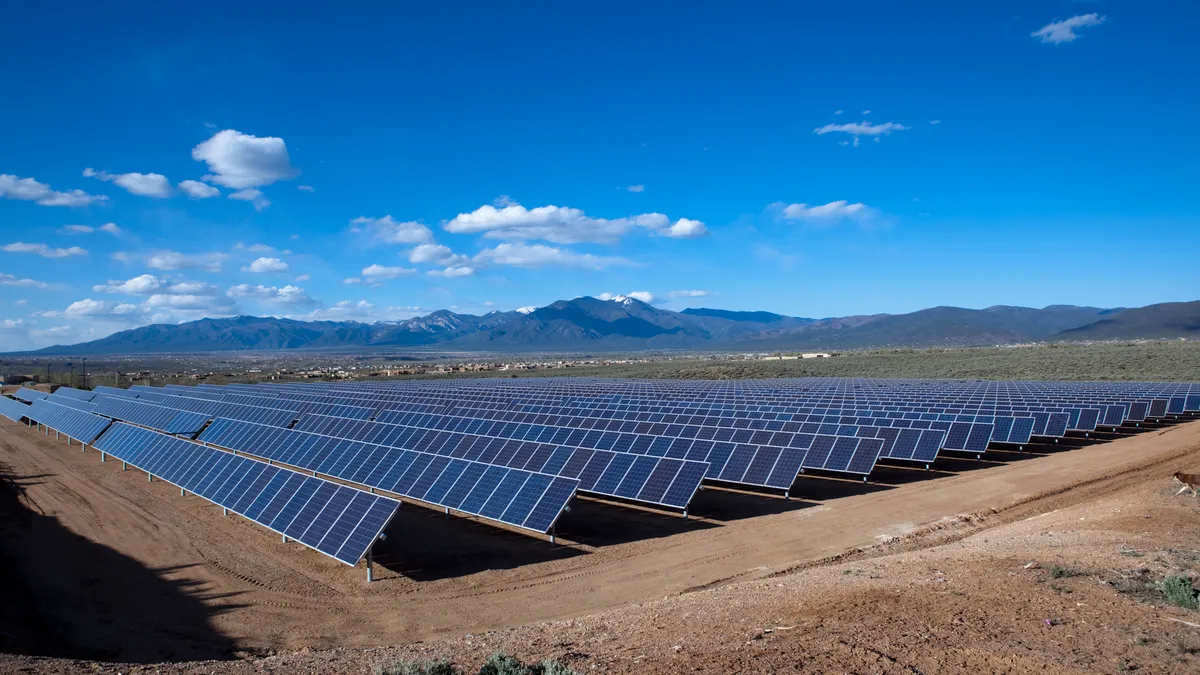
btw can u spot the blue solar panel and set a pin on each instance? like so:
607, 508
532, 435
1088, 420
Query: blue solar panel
82, 426
275, 417
531, 456
30, 395
114, 391
403, 472
74, 393
336, 520
13, 410
165, 419
86, 406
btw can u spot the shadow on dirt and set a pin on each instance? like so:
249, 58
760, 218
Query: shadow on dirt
66, 596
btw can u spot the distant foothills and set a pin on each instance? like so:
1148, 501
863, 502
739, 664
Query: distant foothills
627, 324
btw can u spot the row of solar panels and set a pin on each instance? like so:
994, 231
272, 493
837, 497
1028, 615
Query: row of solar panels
522, 498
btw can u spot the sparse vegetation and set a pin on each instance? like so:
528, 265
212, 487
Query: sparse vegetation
1059, 572
1178, 591
497, 664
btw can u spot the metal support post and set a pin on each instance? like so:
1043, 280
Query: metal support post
181, 492
224, 511
685, 517
124, 466
370, 572
103, 456
371, 490
552, 533
284, 538
149, 477
787, 495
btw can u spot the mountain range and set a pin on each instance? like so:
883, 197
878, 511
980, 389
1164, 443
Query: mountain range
627, 324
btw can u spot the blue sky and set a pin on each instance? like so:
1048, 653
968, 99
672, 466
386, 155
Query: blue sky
168, 162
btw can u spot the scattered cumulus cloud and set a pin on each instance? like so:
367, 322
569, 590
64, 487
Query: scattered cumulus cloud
139, 285
286, 295
857, 129
688, 294
241, 161
142, 184
302, 278
380, 272
110, 228
560, 224
10, 280
453, 271
824, 214
30, 190
387, 230
1058, 32
644, 296
838, 112
539, 255
99, 309
636, 188
266, 266
197, 190
252, 195
935, 122
306, 188
173, 261
43, 250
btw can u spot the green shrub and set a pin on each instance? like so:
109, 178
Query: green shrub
1059, 572
1179, 592
442, 667
503, 664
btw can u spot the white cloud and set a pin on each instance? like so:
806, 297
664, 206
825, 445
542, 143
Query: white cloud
935, 122
345, 310
287, 295
121, 256
142, 184
863, 128
825, 214
306, 188
426, 253
560, 224
10, 280
76, 229
43, 250
685, 228
173, 261
838, 112
303, 277
12, 324
866, 112
139, 285
453, 271
538, 255
197, 190
242, 161
21, 303
266, 266
378, 272
167, 307
636, 188
644, 296
253, 196
688, 294
1058, 32
389, 231
99, 309
350, 281
28, 189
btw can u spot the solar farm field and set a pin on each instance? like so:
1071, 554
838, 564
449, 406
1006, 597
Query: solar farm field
357, 514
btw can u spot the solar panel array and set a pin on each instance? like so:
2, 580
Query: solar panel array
158, 417
30, 395
86, 406
521, 498
70, 392
13, 410
336, 520
82, 426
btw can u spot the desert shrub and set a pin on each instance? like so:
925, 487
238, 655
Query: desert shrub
442, 667
1059, 572
1179, 591
503, 664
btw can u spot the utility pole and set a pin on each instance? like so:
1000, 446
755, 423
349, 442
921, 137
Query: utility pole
71, 365
85, 382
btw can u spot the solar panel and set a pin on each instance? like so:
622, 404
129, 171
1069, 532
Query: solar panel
272, 416
637, 479
165, 419
476, 488
115, 391
29, 395
74, 393
336, 520
13, 410
85, 406
81, 426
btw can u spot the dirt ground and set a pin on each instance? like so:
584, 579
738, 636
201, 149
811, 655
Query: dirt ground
916, 572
